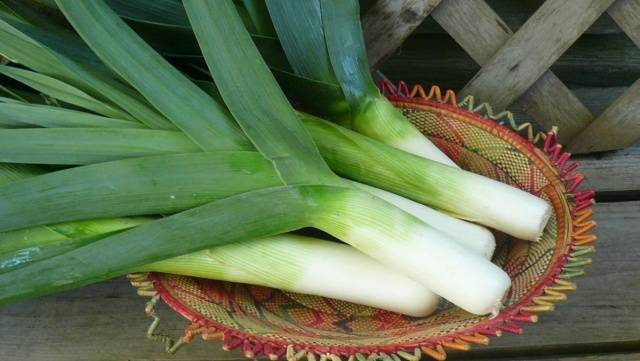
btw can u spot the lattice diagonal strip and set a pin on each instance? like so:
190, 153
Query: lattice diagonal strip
619, 125
515, 67
481, 33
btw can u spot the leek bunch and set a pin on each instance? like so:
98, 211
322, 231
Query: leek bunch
145, 169
323, 41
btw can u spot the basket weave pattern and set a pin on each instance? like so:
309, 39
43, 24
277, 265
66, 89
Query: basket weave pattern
263, 321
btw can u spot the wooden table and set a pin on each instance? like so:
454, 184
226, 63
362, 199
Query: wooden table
600, 321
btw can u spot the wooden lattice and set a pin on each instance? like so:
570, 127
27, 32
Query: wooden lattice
515, 66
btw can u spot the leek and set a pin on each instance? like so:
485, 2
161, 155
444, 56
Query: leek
457, 192
290, 262
249, 212
306, 265
472, 236
460, 193
218, 197
362, 220
323, 41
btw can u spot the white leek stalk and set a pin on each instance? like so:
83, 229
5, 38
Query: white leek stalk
458, 192
408, 245
306, 265
380, 120
472, 236
502, 207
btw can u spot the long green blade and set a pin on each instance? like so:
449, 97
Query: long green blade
21, 49
71, 146
138, 186
24, 256
66, 58
310, 95
35, 12
372, 114
259, 15
17, 115
60, 40
320, 97
25, 246
171, 40
165, 12
345, 44
264, 213
181, 101
299, 28
62, 91
10, 173
252, 94
315, 96
21, 247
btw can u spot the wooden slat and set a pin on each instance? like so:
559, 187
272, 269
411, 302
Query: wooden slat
597, 100
552, 105
388, 22
616, 128
106, 321
530, 52
516, 13
612, 356
533, 49
604, 309
626, 13
475, 26
617, 171
481, 32
592, 61
619, 125
102, 322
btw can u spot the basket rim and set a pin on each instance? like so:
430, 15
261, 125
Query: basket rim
548, 289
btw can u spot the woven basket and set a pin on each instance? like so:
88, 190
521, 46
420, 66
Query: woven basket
263, 321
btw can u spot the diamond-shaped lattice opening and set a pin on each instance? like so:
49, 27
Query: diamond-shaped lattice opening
600, 65
431, 56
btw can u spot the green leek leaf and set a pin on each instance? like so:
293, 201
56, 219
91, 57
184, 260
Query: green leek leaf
259, 15
299, 28
264, 213
167, 12
62, 91
137, 186
181, 101
345, 44
252, 94
22, 115
10, 173
69, 146
43, 52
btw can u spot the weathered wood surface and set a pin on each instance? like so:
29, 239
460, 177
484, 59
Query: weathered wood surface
592, 61
388, 22
533, 49
626, 14
481, 32
613, 356
617, 127
600, 314
621, 121
516, 68
106, 321
516, 13
616, 171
